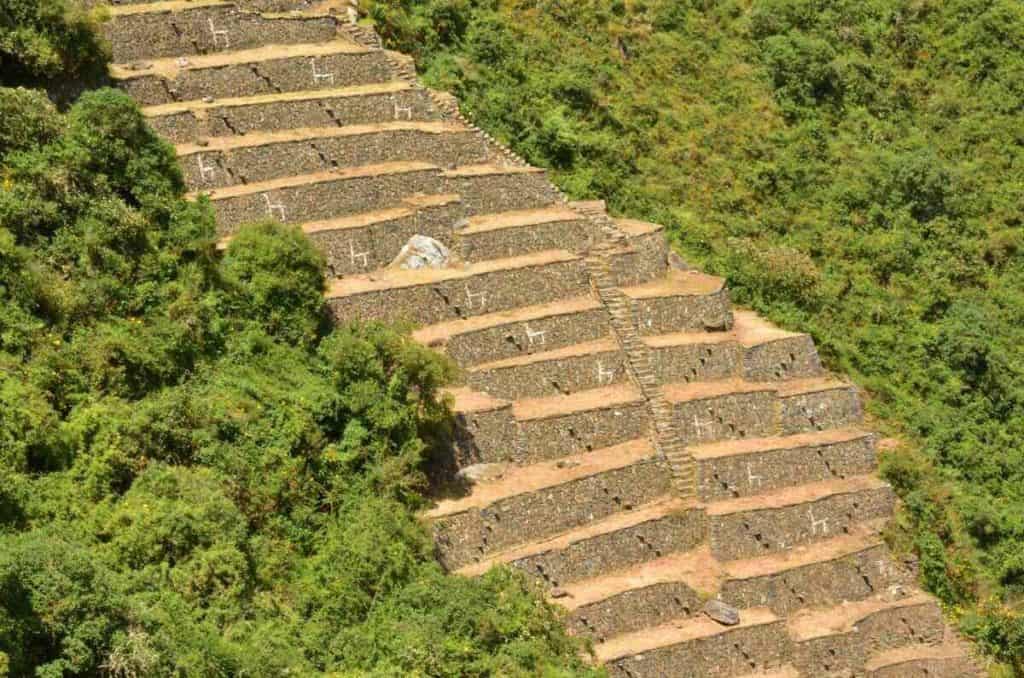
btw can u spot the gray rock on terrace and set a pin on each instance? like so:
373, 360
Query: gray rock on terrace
727, 615
422, 252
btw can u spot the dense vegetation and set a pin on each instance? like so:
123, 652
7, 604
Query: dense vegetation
854, 167
49, 42
199, 475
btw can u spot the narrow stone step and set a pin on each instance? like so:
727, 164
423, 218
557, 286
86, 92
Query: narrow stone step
274, 69
643, 596
345, 192
681, 300
706, 648
850, 566
189, 122
948, 660
426, 296
539, 501
521, 331
264, 156
492, 236
623, 539
844, 637
579, 367
196, 27
780, 520
558, 426
741, 468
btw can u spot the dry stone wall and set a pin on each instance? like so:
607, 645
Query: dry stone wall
638, 446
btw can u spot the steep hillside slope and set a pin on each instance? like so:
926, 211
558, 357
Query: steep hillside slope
855, 169
640, 445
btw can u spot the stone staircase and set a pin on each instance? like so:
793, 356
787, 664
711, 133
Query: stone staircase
639, 447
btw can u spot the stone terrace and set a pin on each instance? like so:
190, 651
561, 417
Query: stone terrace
636, 445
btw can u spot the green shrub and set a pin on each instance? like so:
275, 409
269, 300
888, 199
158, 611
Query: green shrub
277, 277
45, 41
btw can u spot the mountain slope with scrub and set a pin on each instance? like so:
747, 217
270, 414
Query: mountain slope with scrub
856, 170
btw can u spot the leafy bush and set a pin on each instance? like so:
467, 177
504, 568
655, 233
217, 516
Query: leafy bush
46, 41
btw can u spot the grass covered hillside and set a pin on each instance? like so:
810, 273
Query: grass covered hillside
199, 475
854, 167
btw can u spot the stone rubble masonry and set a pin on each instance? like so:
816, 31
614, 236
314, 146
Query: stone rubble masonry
362, 243
518, 334
922, 661
199, 29
764, 524
460, 293
676, 531
754, 466
790, 358
820, 583
468, 536
881, 626
668, 306
333, 194
190, 122
714, 357
209, 167
636, 609
578, 368
721, 651
650, 446
646, 261
616, 415
288, 74
484, 436
818, 407
573, 234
